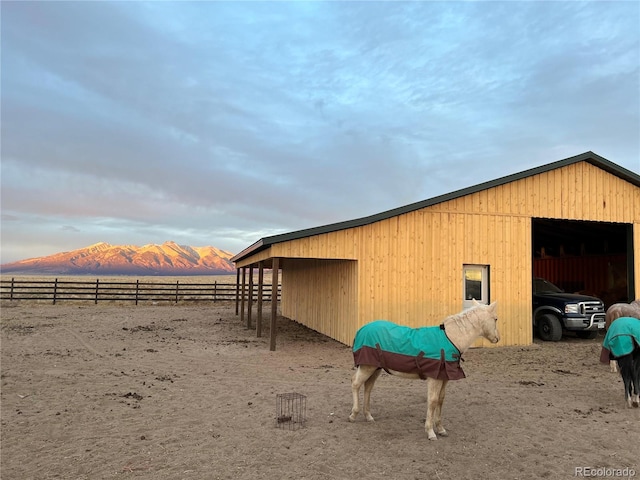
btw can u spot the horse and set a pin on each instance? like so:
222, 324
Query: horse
618, 310
409, 353
622, 343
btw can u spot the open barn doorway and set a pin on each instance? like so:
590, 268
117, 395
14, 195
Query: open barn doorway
594, 258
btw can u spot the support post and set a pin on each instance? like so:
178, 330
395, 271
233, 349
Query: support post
274, 303
242, 295
237, 290
260, 293
250, 298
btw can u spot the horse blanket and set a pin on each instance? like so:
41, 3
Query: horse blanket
426, 351
621, 338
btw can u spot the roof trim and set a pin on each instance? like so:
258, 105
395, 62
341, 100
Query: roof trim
588, 157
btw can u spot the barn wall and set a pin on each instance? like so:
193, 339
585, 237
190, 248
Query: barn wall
417, 277
335, 245
409, 267
577, 192
636, 258
321, 294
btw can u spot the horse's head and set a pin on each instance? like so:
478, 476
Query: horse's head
489, 318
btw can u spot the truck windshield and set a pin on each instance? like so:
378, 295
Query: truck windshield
540, 285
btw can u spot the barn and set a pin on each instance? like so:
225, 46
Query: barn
575, 222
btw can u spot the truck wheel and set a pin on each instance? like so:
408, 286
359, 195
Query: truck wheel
549, 328
590, 334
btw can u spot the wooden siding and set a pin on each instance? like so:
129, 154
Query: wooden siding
422, 283
636, 258
409, 267
576, 192
321, 294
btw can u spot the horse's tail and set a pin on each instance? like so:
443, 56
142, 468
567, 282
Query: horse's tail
629, 366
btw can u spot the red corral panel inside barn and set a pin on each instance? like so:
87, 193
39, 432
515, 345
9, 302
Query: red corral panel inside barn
603, 276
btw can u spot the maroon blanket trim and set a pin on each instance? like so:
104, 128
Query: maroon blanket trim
424, 367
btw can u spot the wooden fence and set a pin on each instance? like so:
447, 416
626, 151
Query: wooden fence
125, 291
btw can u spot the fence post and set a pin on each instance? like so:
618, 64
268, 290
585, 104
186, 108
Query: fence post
97, 287
177, 282
215, 290
11, 296
137, 288
55, 290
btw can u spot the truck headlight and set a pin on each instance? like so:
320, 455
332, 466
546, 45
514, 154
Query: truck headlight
571, 308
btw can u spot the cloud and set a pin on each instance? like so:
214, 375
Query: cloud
220, 121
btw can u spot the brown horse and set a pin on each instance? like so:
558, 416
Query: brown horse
462, 330
622, 343
616, 311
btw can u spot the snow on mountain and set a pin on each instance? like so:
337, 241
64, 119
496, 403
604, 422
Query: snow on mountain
103, 258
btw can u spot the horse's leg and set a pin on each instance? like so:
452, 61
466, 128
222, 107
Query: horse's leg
438, 411
368, 386
363, 372
635, 369
613, 366
433, 396
625, 364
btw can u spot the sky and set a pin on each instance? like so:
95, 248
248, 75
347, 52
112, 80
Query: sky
220, 123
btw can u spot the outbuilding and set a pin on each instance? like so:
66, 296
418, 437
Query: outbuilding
575, 222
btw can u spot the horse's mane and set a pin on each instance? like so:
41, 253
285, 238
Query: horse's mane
465, 318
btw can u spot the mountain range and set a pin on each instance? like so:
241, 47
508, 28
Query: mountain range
103, 258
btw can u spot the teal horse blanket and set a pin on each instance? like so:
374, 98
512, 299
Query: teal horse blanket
426, 351
621, 338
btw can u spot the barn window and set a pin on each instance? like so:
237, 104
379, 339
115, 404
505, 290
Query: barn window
475, 284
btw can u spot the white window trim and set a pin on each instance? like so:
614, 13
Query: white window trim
484, 284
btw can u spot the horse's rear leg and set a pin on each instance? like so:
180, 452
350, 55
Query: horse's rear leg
362, 374
628, 374
635, 377
368, 386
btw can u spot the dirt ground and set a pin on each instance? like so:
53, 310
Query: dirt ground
188, 392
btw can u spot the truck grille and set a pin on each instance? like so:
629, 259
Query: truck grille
588, 308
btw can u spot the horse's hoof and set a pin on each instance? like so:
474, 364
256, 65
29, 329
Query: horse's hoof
352, 418
433, 438
635, 404
370, 418
443, 433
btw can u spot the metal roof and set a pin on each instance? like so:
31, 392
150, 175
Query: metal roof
588, 157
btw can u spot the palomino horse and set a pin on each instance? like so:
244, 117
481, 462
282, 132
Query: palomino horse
374, 351
616, 311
